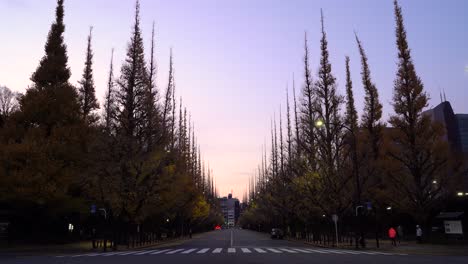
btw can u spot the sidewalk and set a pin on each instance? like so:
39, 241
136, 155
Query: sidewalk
72, 248
407, 247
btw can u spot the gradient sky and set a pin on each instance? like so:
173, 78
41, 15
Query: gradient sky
234, 59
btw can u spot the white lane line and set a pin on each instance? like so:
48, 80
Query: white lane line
335, 251
287, 250
318, 251
189, 251
175, 251
203, 251
246, 250
128, 252
232, 239
350, 252
376, 252
109, 254
302, 250
259, 250
231, 250
159, 252
274, 250
146, 252
81, 255
217, 250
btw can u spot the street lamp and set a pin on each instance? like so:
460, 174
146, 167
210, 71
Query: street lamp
319, 123
459, 193
389, 208
434, 182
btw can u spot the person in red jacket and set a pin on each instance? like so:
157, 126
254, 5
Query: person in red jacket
392, 235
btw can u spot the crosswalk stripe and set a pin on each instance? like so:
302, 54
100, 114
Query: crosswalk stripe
302, 250
189, 251
217, 250
259, 250
274, 250
246, 250
203, 251
231, 250
159, 252
287, 250
175, 251
146, 252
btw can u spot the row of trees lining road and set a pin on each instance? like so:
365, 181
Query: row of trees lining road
331, 162
133, 167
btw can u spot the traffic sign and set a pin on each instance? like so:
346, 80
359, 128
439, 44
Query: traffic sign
93, 208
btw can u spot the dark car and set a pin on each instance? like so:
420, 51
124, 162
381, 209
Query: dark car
277, 233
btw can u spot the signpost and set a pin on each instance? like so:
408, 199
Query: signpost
335, 220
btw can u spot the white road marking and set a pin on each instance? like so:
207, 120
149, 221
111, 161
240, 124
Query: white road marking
147, 252
231, 250
335, 251
175, 251
287, 250
217, 250
259, 250
128, 252
302, 250
318, 251
376, 252
109, 254
159, 252
189, 251
246, 250
274, 250
81, 255
351, 252
232, 239
203, 251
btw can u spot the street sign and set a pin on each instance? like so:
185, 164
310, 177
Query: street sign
93, 208
369, 206
453, 227
335, 218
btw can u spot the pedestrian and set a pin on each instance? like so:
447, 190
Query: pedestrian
418, 234
392, 235
399, 233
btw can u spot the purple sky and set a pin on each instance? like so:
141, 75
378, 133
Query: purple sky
233, 59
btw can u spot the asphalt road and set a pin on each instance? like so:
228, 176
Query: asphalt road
235, 246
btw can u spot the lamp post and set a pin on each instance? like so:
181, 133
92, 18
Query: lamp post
319, 123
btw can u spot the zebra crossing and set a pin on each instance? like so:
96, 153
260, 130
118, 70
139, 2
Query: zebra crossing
233, 250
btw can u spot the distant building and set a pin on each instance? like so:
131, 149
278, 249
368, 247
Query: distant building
444, 114
462, 120
230, 209
456, 127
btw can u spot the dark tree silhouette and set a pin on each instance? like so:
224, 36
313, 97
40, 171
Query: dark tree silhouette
86, 91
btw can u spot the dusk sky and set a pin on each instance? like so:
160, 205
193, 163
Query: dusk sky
234, 59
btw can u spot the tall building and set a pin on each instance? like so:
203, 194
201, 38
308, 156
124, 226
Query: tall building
456, 127
462, 120
444, 114
230, 209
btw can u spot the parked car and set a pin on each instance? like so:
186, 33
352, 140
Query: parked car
277, 233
